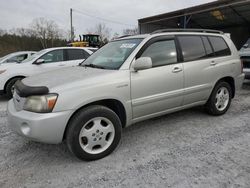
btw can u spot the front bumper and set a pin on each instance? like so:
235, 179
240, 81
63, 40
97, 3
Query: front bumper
46, 128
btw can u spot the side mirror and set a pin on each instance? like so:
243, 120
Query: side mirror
245, 45
39, 61
143, 63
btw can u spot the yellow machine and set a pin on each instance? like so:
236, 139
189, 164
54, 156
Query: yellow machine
78, 44
89, 40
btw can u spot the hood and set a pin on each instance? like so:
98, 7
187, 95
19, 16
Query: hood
244, 52
66, 76
8, 65
13, 65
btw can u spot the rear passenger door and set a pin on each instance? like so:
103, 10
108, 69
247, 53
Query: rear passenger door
75, 56
202, 65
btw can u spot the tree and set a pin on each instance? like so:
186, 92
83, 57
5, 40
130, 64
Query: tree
2, 32
103, 31
116, 35
133, 31
45, 30
22, 32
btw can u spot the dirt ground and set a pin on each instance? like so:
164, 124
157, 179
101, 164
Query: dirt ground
184, 149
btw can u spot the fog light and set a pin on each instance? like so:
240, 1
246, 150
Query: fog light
25, 129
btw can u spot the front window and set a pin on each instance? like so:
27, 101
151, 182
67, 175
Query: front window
162, 53
113, 54
53, 56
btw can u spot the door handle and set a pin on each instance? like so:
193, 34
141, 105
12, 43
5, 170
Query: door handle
61, 65
213, 63
176, 69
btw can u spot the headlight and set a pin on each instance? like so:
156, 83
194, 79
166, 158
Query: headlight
40, 104
2, 71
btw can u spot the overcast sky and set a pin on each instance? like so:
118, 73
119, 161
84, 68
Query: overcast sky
20, 13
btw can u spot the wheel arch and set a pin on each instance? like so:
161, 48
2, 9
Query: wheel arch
230, 80
6, 83
113, 104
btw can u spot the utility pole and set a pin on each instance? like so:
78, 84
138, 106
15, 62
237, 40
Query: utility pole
71, 26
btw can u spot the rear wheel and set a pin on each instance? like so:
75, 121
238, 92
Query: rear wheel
93, 133
220, 99
10, 87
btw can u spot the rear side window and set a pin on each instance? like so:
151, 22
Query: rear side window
192, 48
219, 45
75, 54
208, 48
161, 53
93, 50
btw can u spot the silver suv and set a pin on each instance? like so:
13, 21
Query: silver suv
128, 80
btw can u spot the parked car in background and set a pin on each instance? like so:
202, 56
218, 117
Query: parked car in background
16, 57
128, 80
245, 57
43, 61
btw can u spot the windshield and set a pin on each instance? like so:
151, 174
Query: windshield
7, 56
34, 56
113, 54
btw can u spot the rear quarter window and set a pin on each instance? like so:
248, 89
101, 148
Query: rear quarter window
220, 46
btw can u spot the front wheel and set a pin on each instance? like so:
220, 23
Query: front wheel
220, 99
93, 133
10, 87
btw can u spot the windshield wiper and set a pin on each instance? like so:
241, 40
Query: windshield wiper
93, 66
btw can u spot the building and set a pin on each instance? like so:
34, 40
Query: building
229, 16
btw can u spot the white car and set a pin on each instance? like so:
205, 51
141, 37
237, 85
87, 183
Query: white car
43, 61
16, 57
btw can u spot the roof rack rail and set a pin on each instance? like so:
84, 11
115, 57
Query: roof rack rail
123, 36
188, 30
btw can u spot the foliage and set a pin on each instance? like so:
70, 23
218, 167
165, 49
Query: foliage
41, 34
102, 30
133, 31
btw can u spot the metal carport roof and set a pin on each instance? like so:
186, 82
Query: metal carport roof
227, 15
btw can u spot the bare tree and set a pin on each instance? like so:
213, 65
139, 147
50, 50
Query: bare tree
45, 30
116, 35
2, 32
103, 31
22, 32
133, 31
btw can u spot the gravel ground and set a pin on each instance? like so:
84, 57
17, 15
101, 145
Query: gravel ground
184, 149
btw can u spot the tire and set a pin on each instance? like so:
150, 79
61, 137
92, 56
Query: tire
9, 87
220, 99
93, 133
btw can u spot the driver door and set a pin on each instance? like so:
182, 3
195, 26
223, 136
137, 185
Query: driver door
52, 60
156, 90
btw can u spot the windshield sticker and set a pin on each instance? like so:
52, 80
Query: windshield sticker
127, 45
